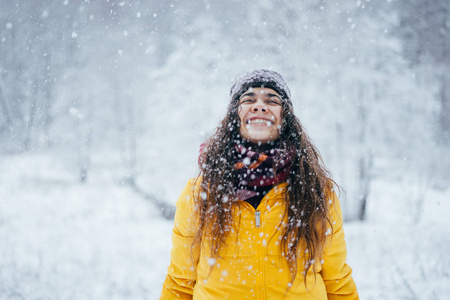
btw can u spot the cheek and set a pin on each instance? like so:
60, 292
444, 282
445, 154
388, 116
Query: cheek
277, 114
241, 113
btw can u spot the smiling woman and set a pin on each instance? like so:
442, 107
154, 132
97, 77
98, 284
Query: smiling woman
260, 115
262, 220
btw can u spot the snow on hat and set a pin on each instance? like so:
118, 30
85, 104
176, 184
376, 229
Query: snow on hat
260, 78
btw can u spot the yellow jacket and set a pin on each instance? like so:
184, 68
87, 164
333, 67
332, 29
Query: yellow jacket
251, 266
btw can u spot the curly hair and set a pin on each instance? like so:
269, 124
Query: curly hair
306, 200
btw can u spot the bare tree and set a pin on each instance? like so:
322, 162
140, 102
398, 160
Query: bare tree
424, 30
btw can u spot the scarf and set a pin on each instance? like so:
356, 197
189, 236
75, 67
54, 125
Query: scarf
255, 170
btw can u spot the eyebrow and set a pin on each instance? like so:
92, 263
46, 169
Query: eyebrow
274, 95
251, 94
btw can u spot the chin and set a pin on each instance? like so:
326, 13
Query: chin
259, 137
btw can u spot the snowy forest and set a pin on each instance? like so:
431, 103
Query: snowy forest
104, 104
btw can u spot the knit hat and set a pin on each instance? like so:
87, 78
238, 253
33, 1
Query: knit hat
260, 78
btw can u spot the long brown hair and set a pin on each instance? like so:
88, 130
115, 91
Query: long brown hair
305, 207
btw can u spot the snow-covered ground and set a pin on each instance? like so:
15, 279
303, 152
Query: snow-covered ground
60, 239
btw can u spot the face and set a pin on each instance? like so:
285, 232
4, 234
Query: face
260, 115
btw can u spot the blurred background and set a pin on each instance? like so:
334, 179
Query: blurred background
103, 106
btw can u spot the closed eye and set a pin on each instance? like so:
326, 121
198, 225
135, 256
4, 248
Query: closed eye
247, 100
274, 102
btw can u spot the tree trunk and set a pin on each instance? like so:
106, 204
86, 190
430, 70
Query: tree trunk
130, 157
365, 156
444, 97
31, 115
4, 108
365, 171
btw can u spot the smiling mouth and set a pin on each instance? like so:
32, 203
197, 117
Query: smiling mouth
259, 122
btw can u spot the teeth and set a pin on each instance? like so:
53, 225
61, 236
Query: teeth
259, 122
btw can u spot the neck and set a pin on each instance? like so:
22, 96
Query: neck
260, 147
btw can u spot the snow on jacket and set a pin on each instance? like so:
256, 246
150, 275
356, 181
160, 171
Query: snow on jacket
250, 266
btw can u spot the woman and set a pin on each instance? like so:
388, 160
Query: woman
261, 221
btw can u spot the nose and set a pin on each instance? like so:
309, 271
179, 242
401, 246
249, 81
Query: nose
259, 106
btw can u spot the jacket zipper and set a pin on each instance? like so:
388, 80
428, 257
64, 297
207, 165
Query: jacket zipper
258, 218
259, 259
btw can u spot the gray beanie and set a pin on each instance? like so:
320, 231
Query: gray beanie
260, 78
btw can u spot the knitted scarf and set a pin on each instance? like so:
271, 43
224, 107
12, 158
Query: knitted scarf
255, 170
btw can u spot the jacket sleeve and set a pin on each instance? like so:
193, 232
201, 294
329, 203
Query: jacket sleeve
336, 273
181, 274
